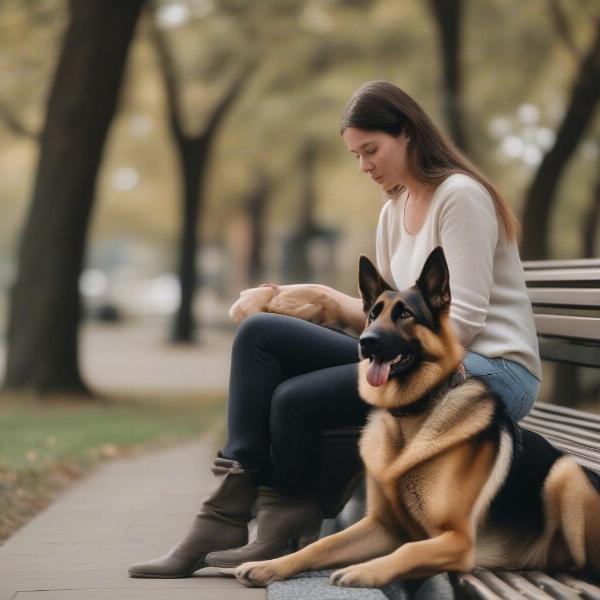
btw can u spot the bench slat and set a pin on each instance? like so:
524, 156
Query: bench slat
567, 297
588, 591
565, 410
476, 588
578, 263
497, 585
590, 438
575, 448
586, 328
522, 585
592, 274
583, 424
555, 588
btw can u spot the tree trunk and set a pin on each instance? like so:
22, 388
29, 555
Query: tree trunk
45, 303
448, 17
541, 195
591, 222
192, 157
193, 153
256, 207
297, 267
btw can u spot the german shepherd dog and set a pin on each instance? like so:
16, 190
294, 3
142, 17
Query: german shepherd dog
452, 481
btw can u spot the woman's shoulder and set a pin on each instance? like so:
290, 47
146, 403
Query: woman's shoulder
461, 181
461, 190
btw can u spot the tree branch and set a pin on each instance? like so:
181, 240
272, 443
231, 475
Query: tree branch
584, 98
447, 15
222, 107
563, 27
591, 222
168, 73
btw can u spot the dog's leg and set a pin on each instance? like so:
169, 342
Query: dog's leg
363, 540
450, 551
451, 547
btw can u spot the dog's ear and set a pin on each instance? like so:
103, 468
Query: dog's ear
434, 281
370, 283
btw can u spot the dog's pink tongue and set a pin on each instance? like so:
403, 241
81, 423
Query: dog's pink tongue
378, 372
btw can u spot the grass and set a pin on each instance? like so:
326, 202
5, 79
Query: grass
45, 444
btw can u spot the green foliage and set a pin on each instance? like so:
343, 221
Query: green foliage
47, 444
35, 435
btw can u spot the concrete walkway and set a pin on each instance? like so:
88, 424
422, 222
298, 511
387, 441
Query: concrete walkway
127, 511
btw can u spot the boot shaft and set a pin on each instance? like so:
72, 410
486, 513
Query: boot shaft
234, 492
277, 512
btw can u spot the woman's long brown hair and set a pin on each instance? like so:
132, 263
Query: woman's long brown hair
381, 106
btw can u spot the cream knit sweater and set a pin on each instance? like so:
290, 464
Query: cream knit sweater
490, 309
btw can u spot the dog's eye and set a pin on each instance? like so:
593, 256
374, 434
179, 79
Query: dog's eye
401, 312
375, 311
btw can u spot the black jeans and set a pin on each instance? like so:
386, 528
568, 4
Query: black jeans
289, 381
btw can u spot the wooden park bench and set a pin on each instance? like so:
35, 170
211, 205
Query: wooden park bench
566, 301
565, 296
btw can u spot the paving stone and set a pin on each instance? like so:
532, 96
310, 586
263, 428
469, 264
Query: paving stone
316, 586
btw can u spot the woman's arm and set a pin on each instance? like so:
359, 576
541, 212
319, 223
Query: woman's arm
313, 302
350, 309
469, 232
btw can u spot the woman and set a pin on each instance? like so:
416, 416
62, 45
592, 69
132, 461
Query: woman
291, 379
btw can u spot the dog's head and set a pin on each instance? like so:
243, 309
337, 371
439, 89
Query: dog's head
404, 331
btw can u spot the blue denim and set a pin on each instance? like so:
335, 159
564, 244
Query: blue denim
512, 382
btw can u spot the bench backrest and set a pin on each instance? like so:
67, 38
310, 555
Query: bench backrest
565, 296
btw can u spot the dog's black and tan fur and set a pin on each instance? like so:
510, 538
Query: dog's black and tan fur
453, 483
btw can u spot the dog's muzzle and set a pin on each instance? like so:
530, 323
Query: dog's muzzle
389, 356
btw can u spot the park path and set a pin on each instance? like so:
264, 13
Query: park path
136, 358
135, 509
128, 511
131, 509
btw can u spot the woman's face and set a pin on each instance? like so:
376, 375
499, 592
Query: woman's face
381, 155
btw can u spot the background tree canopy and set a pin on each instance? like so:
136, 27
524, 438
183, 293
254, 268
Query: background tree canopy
517, 82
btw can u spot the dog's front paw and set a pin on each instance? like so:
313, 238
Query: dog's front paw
257, 574
357, 576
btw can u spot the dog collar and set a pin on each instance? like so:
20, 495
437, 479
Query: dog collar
424, 402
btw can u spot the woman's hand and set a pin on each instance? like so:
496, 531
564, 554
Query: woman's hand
253, 300
307, 301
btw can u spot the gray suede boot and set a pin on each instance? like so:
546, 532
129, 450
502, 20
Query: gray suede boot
221, 523
284, 524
